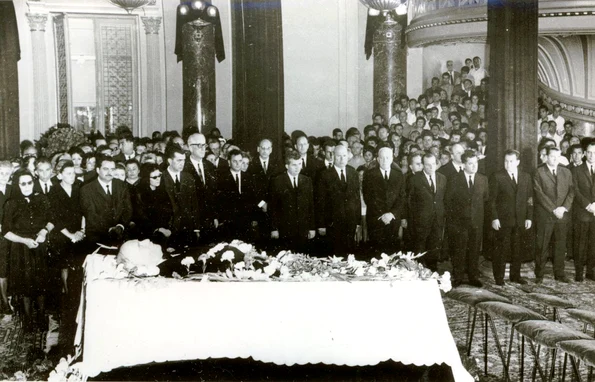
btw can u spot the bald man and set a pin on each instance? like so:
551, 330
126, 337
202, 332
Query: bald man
338, 201
384, 194
204, 174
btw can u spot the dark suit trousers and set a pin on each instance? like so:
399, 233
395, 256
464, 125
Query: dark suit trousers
342, 241
465, 241
584, 248
508, 241
429, 240
383, 237
545, 231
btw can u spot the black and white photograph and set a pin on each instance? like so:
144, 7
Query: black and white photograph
297, 190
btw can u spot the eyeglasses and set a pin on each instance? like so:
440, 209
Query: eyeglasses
199, 145
29, 183
155, 177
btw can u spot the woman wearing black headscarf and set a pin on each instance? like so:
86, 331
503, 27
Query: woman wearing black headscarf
26, 224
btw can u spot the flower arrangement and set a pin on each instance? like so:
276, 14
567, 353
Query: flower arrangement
66, 370
58, 138
239, 261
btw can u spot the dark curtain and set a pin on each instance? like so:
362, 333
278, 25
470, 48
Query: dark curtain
258, 93
10, 54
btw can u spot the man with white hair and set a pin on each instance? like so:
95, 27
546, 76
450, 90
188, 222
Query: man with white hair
339, 204
384, 194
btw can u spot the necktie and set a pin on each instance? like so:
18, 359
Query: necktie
177, 183
554, 173
591, 167
452, 78
470, 182
303, 163
513, 178
343, 176
386, 175
330, 165
45, 186
294, 182
238, 183
264, 167
108, 191
432, 184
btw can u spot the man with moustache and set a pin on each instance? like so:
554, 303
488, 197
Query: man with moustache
425, 202
511, 210
339, 204
384, 195
106, 205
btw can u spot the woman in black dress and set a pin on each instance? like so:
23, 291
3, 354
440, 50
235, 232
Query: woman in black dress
153, 211
68, 221
26, 224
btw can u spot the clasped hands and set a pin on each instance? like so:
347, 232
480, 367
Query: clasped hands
591, 208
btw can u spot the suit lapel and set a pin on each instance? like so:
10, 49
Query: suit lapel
585, 170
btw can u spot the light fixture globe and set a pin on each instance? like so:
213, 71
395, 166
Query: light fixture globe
382, 5
129, 5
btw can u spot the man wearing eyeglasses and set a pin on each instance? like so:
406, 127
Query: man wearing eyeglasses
204, 174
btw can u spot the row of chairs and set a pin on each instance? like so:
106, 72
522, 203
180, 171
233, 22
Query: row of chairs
535, 328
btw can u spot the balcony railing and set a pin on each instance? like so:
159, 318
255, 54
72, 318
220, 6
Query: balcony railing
423, 7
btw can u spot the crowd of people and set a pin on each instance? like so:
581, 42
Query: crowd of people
411, 181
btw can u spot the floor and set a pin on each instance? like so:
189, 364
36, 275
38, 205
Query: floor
26, 356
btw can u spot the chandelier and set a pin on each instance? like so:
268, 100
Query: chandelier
129, 5
376, 6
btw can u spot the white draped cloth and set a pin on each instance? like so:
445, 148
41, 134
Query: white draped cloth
134, 321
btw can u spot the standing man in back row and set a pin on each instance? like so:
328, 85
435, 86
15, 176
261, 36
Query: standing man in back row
554, 193
511, 210
466, 194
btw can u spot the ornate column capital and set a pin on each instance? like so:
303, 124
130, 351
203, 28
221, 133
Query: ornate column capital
152, 24
37, 21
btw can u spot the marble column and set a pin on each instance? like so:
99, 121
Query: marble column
37, 24
390, 66
513, 86
154, 95
199, 75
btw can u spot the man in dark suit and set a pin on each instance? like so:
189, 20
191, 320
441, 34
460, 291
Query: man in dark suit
204, 174
339, 204
511, 210
127, 148
264, 168
236, 201
291, 206
215, 147
466, 194
44, 181
310, 164
583, 217
553, 192
384, 195
425, 202
455, 165
181, 188
106, 205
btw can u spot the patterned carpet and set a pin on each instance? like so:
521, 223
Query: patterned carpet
24, 357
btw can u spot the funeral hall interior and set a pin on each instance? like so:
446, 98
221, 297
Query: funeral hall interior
81, 70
